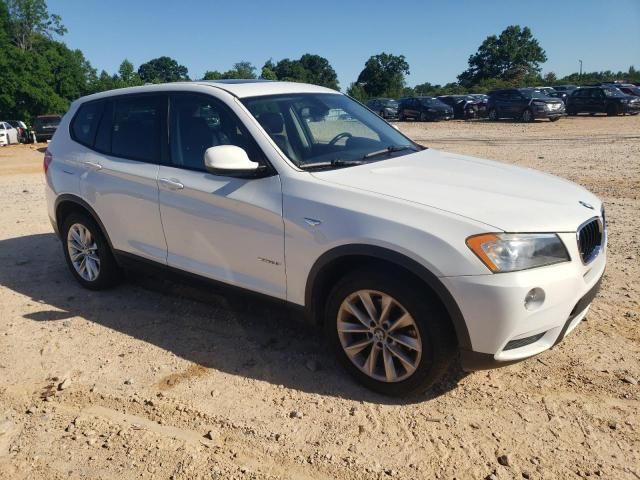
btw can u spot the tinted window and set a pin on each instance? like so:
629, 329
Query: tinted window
198, 122
103, 135
85, 123
137, 127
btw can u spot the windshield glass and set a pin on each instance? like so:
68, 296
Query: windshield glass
48, 121
325, 128
613, 92
533, 94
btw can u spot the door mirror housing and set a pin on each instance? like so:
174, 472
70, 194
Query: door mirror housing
231, 161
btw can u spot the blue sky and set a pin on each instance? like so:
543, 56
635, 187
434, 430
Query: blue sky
436, 37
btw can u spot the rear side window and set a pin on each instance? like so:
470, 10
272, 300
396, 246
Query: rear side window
137, 127
85, 123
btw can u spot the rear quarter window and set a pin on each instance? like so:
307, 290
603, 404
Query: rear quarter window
85, 123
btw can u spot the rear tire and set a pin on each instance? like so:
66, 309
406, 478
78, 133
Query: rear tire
571, 111
612, 111
88, 254
407, 349
554, 119
401, 117
492, 115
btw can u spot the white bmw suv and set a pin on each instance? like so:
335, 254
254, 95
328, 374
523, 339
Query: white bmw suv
405, 255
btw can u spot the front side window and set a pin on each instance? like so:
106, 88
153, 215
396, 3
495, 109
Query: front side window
324, 130
613, 92
198, 122
136, 132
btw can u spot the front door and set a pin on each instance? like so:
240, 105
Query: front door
224, 228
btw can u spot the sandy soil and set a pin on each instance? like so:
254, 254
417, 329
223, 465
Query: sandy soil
157, 380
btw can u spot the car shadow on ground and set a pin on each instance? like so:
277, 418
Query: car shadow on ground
214, 327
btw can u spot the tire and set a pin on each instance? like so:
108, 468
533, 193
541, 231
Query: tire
527, 116
382, 114
427, 329
571, 112
108, 273
423, 117
401, 117
554, 119
612, 111
492, 115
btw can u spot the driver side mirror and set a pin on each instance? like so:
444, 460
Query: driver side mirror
230, 161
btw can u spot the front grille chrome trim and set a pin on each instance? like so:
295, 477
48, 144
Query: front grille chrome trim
590, 237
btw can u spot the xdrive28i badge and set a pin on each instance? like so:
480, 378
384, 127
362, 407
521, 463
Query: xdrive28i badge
585, 204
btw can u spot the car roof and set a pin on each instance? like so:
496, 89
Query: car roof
238, 88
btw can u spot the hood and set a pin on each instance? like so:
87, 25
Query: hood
508, 198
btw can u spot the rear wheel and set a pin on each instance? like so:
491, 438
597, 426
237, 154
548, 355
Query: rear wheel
492, 115
401, 117
387, 333
423, 117
612, 110
554, 119
88, 254
571, 111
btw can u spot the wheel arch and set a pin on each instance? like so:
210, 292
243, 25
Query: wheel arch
67, 203
335, 262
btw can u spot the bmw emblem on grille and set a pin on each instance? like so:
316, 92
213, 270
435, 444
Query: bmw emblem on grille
585, 204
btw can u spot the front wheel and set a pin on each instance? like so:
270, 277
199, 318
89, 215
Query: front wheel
492, 115
88, 254
389, 334
554, 119
527, 116
612, 111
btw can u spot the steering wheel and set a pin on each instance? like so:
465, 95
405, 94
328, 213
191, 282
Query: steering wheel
335, 139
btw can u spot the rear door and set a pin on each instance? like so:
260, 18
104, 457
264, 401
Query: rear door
121, 169
225, 228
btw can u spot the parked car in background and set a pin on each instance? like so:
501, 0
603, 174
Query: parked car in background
424, 109
8, 134
630, 90
385, 107
23, 130
465, 107
526, 104
609, 100
44, 126
407, 257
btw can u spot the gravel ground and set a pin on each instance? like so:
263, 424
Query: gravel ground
158, 380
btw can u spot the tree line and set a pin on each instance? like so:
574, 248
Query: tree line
40, 74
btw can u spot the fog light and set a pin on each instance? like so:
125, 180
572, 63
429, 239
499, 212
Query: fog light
534, 299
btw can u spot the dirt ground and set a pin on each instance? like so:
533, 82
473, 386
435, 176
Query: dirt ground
156, 380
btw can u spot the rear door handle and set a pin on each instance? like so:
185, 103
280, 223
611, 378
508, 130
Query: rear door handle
171, 183
92, 165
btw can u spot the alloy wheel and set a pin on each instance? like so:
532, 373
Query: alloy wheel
379, 336
83, 252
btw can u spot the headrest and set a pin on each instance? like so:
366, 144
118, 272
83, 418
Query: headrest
272, 122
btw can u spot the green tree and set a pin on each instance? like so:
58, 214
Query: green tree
240, 70
29, 19
384, 75
549, 78
308, 69
356, 91
514, 56
161, 70
268, 71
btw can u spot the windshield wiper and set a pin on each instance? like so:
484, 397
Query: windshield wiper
389, 149
333, 163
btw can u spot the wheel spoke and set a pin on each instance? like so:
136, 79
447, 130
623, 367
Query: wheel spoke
358, 346
389, 367
75, 255
76, 237
348, 327
372, 359
387, 303
356, 312
404, 321
365, 298
407, 341
408, 364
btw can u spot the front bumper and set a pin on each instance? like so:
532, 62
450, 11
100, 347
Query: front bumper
539, 112
501, 330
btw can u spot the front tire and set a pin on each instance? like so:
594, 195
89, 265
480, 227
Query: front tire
88, 254
527, 116
612, 111
492, 115
388, 333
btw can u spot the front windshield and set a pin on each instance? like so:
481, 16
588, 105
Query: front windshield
326, 129
613, 92
533, 94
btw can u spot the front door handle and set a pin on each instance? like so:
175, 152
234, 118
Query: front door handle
92, 165
171, 183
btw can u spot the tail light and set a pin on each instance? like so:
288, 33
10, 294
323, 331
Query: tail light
48, 158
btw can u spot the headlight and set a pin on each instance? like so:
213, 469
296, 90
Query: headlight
509, 252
